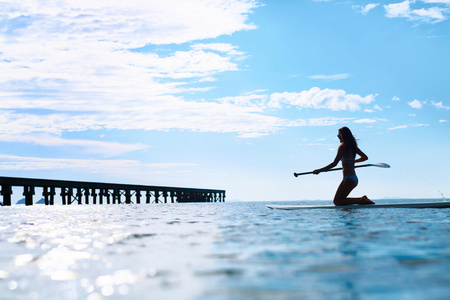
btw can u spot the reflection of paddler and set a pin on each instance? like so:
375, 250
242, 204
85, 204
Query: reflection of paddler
346, 154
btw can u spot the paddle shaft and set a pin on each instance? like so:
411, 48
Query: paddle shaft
335, 169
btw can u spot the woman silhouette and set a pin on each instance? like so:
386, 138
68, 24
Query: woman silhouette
346, 154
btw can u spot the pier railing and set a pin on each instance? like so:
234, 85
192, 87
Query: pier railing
80, 192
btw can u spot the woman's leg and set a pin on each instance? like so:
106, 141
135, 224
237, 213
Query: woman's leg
344, 189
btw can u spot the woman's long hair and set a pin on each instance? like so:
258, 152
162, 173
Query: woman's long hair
348, 139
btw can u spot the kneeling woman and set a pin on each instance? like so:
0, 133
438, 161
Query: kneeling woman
346, 154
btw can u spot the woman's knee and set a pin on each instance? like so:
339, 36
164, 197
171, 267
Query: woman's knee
338, 201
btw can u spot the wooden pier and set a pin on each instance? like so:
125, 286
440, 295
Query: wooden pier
79, 192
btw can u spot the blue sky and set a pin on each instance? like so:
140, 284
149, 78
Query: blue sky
233, 95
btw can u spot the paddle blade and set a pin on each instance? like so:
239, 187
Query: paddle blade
381, 165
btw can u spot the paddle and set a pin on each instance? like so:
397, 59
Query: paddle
380, 165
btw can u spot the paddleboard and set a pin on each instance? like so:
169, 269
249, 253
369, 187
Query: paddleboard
369, 206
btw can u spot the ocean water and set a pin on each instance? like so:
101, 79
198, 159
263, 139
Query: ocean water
210, 251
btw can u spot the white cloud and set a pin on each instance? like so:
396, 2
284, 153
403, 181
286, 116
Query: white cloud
407, 126
312, 122
365, 121
330, 77
437, 1
207, 79
375, 108
12, 162
398, 127
365, 9
395, 98
87, 146
133, 23
220, 47
416, 104
326, 121
443, 121
369, 7
432, 14
256, 101
403, 10
86, 44
85, 71
252, 135
320, 99
439, 105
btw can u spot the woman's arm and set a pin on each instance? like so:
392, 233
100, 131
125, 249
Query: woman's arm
336, 160
363, 156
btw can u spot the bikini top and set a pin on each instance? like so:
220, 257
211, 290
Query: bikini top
348, 160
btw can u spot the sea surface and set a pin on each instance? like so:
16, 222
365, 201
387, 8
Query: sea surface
215, 251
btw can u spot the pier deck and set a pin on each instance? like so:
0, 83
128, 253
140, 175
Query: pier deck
80, 192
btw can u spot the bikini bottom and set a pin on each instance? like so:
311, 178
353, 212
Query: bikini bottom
352, 177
